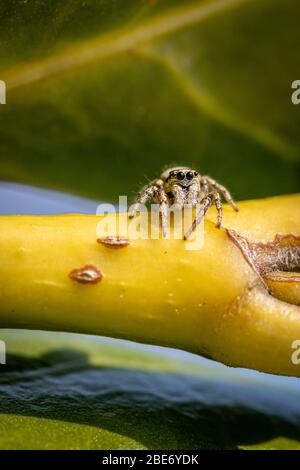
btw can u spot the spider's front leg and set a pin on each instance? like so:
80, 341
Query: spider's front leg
215, 186
194, 193
206, 203
147, 192
162, 200
178, 196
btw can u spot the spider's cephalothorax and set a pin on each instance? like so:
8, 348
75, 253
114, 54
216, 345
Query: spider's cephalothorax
179, 186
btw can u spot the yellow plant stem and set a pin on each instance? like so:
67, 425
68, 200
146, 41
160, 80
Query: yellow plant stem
55, 275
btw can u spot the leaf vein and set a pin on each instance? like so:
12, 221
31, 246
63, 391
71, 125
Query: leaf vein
103, 47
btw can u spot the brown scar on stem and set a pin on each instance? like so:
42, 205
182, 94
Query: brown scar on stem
112, 241
88, 274
280, 255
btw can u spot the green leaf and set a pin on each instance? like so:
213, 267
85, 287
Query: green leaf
78, 392
101, 94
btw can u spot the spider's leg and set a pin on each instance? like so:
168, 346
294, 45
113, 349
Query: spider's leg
163, 208
218, 203
193, 194
204, 186
205, 204
162, 199
221, 189
143, 196
178, 195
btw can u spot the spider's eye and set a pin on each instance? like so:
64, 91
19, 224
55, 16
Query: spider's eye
189, 175
180, 175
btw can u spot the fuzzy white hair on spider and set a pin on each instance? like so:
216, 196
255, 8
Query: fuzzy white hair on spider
182, 186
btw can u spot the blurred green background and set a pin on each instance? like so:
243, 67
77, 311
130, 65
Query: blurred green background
101, 95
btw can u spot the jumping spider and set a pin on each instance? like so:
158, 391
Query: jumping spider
180, 186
